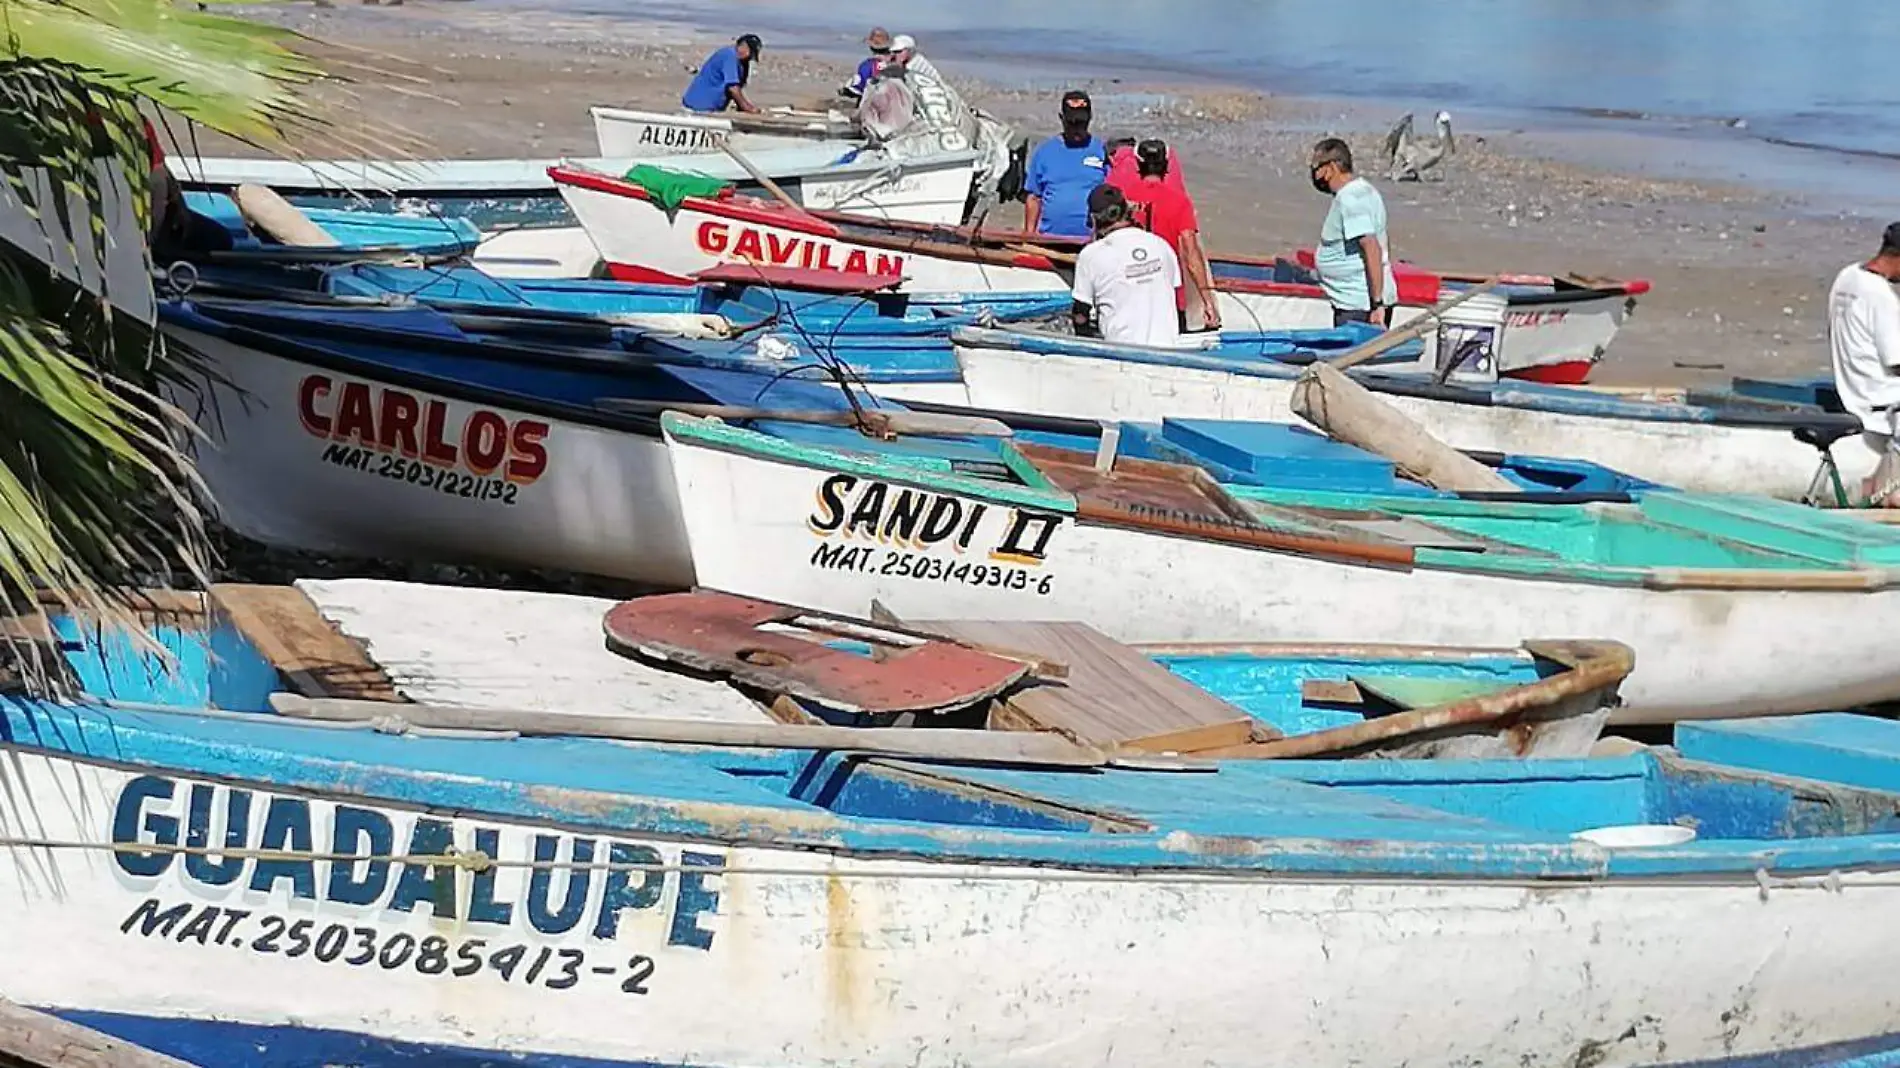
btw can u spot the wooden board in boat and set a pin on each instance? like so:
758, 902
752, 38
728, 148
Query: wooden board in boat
1113, 695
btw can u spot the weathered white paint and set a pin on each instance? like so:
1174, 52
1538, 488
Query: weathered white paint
837, 969
1699, 653
1538, 334
458, 645
604, 504
623, 132
1694, 456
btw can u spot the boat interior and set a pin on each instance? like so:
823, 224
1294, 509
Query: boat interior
1768, 796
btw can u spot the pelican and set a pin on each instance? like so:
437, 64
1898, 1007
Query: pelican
1409, 155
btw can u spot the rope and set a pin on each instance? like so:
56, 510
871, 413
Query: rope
477, 861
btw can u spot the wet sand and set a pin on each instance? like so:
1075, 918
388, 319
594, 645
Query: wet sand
1740, 274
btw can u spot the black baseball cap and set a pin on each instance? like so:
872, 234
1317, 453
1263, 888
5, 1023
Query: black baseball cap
1104, 198
1890, 241
1076, 101
1152, 154
752, 41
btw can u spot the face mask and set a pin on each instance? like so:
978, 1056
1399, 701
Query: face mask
1319, 183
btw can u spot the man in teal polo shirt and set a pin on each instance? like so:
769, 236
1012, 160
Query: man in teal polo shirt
1354, 258
720, 83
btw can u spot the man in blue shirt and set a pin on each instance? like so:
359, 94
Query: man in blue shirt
879, 42
1354, 258
1064, 171
721, 80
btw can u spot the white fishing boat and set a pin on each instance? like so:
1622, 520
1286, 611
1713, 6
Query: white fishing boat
819, 176
260, 816
1735, 606
1551, 328
625, 132
1714, 443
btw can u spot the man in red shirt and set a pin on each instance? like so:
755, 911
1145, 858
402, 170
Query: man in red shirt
1159, 197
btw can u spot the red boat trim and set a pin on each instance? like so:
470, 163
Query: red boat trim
628, 272
1567, 373
801, 278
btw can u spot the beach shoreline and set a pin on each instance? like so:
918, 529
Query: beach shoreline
1739, 272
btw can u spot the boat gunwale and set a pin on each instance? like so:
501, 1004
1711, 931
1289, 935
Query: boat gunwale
1163, 854
1511, 393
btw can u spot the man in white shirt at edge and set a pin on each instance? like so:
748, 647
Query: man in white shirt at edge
1125, 279
1863, 335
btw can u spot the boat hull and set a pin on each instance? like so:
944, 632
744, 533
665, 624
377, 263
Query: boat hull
194, 955
1700, 456
1757, 652
310, 457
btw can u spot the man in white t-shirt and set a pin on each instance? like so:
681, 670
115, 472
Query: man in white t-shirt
1125, 279
1863, 336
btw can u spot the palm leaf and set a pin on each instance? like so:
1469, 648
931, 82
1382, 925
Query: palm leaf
97, 492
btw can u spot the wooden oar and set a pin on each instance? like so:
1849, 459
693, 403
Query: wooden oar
1047, 253
765, 180
978, 746
1399, 335
883, 422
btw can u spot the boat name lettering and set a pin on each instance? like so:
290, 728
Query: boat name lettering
362, 947
681, 137
560, 884
750, 244
394, 421
870, 560
1541, 317
919, 520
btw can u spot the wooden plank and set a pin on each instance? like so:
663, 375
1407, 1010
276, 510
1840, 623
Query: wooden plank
1409, 692
1114, 696
1185, 501
1331, 692
30, 1039
976, 746
314, 659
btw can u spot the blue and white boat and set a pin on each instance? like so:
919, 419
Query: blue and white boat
1717, 442
192, 872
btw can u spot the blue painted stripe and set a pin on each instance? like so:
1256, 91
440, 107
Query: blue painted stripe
227, 1044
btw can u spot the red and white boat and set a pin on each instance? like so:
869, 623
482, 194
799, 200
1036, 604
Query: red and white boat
1555, 329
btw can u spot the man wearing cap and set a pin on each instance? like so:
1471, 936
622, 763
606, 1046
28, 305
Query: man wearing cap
1063, 172
1163, 208
1125, 280
720, 83
1863, 336
1354, 258
879, 42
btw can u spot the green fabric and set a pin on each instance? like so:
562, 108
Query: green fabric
670, 189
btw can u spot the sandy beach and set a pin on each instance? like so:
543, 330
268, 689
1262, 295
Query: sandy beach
1739, 273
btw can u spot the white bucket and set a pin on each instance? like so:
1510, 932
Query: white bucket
1637, 835
1469, 338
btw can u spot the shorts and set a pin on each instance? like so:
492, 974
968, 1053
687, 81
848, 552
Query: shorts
1342, 316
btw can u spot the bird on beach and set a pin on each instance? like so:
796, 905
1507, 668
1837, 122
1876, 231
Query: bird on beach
1410, 155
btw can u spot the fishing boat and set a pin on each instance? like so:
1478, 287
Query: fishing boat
526, 440
846, 178
1746, 440
267, 813
626, 132
1207, 530
1553, 329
